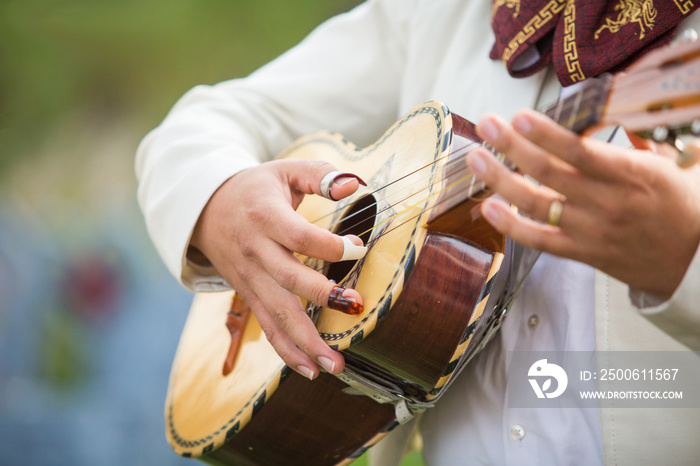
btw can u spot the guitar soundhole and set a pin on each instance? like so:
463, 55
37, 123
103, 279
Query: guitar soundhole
357, 220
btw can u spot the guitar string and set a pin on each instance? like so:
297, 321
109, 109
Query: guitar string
410, 208
392, 183
461, 167
470, 196
398, 214
573, 101
446, 188
434, 183
391, 206
574, 118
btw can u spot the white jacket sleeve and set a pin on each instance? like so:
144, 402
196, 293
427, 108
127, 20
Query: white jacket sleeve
344, 77
679, 317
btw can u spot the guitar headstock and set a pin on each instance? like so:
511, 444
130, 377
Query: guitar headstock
656, 98
659, 96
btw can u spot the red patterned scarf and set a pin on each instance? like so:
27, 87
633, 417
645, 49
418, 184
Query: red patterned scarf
582, 38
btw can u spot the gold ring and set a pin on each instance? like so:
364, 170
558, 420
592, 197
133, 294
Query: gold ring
555, 209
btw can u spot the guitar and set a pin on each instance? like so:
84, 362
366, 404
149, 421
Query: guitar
432, 282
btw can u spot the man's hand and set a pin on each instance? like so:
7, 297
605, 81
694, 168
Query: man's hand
249, 231
631, 213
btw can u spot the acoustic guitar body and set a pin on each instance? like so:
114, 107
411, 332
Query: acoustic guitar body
425, 281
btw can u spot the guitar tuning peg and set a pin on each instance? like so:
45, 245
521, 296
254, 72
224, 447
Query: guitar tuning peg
689, 35
679, 145
689, 154
660, 134
695, 127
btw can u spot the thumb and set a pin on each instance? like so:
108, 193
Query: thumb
321, 178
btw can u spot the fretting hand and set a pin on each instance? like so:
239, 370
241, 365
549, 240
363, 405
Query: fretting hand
631, 213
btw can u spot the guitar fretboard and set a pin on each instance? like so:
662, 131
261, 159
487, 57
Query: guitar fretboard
584, 108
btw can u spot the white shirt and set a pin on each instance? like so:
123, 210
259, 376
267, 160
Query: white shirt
471, 423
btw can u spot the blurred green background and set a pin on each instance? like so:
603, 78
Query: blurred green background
89, 317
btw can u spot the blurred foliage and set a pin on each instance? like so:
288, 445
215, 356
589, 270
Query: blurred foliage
67, 62
70, 69
63, 358
411, 459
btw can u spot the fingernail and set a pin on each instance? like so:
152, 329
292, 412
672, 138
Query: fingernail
306, 372
343, 178
338, 302
351, 251
490, 212
326, 363
331, 179
488, 129
477, 163
522, 124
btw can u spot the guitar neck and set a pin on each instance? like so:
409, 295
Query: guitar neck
661, 91
585, 108
578, 112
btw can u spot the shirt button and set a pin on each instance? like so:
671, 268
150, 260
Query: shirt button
533, 321
517, 432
